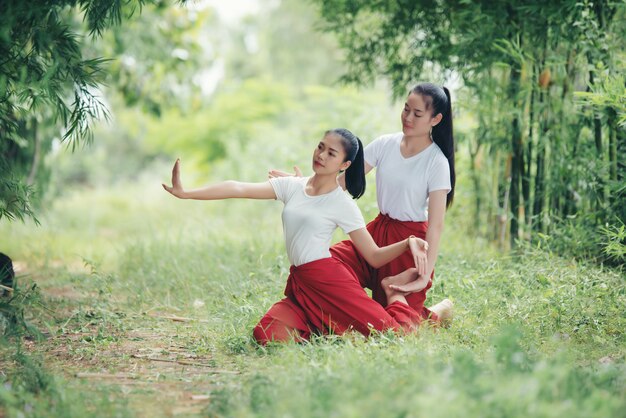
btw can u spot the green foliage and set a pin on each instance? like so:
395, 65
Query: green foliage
232, 117
15, 198
12, 309
614, 237
391, 378
47, 81
157, 60
524, 68
533, 335
281, 42
32, 391
608, 93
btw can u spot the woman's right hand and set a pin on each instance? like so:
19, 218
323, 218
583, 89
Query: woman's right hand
177, 187
419, 251
279, 173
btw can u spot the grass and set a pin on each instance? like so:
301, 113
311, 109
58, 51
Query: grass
534, 334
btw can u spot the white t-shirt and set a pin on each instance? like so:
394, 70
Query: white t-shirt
403, 184
309, 221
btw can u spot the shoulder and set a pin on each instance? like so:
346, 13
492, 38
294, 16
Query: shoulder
436, 155
346, 201
387, 139
438, 164
285, 187
346, 213
288, 181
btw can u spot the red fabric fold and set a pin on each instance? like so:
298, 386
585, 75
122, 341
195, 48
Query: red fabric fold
324, 296
385, 231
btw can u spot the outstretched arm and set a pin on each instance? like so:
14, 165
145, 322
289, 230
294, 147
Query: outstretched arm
379, 256
224, 190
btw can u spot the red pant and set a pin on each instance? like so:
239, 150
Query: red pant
385, 231
324, 296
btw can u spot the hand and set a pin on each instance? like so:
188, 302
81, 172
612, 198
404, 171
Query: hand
415, 286
278, 173
177, 187
419, 249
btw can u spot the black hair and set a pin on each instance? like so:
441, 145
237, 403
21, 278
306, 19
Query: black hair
7, 275
439, 99
355, 173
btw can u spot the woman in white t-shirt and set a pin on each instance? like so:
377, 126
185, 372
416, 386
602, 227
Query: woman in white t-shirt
415, 180
322, 293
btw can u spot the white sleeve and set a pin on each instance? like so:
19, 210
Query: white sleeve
283, 187
351, 217
371, 153
439, 175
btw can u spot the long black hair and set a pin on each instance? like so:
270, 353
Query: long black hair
355, 173
439, 99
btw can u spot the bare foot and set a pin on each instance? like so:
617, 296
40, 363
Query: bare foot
444, 311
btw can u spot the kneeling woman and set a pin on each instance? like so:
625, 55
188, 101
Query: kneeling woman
323, 295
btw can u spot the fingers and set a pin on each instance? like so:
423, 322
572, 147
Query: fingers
406, 288
176, 173
420, 264
277, 173
401, 289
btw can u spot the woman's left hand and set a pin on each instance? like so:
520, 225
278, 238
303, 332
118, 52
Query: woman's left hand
419, 249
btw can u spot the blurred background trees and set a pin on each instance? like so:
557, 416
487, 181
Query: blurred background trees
544, 82
538, 88
50, 80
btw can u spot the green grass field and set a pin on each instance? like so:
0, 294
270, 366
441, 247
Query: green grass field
147, 305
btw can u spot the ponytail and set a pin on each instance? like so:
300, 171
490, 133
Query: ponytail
442, 133
355, 173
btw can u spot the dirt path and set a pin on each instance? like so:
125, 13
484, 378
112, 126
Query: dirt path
148, 361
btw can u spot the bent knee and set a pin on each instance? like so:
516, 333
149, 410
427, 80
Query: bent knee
272, 330
260, 335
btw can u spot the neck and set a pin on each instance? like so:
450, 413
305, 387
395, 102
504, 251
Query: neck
320, 184
414, 144
417, 139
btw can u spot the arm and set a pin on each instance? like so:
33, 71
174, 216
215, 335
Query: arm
223, 190
379, 256
436, 215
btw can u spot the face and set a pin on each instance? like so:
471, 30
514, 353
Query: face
417, 119
329, 155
